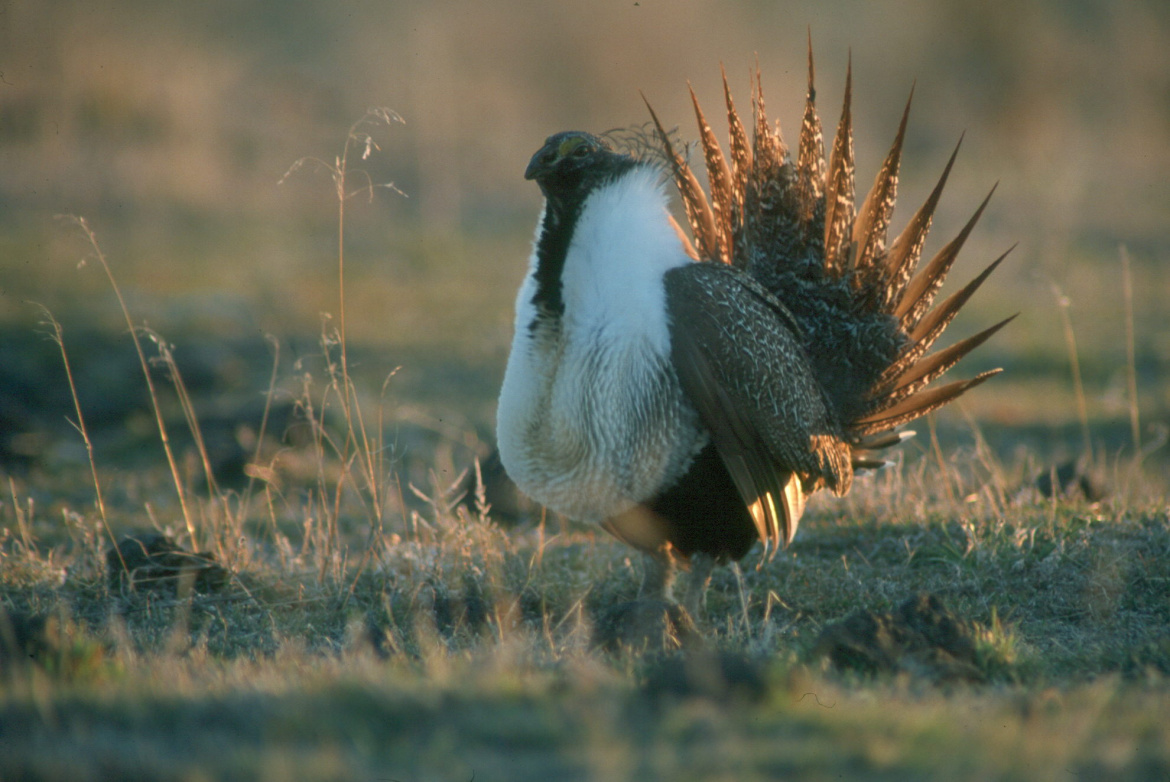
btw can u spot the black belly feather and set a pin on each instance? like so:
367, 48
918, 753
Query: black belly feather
704, 513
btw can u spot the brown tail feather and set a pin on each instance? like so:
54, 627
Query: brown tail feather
919, 404
919, 293
907, 248
741, 152
935, 321
934, 365
768, 150
880, 440
873, 221
862, 455
694, 199
810, 162
865, 461
930, 329
720, 183
926, 332
839, 190
928, 369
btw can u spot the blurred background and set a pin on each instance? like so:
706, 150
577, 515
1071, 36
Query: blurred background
170, 127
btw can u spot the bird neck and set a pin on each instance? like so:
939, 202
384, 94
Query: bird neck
599, 260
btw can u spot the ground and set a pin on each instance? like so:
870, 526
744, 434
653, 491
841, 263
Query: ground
952, 617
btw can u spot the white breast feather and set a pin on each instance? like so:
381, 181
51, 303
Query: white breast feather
591, 419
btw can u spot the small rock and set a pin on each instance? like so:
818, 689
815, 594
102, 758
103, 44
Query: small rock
153, 561
51, 642
22, 638
1071, 478
921, 637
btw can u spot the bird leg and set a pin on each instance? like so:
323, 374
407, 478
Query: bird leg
661, 573
697, 581
662, 566
654, 621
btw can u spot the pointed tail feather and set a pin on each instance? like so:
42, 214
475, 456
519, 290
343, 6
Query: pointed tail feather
935, 321
866, 461
862, 449
768, 150
904, 253
873, 221
921, 373
919, 293
741, 152
719, 181
924, 336
839, 191
880, 440
810, 162
694, 199
919, 404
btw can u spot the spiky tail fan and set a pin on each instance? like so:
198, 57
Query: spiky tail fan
864, 306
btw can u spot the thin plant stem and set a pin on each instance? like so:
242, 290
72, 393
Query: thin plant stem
247, 501
187, 406
1131, 355
1063, 305
936, 448
142, 362
58, 337
360, 459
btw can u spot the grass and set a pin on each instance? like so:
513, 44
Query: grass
371, 625
431, 643
458, 648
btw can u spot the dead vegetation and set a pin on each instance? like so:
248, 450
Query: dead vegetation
325, 613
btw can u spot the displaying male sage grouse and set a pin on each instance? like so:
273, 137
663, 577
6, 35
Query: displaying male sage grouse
688, 398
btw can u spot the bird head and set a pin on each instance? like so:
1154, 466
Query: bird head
571, 164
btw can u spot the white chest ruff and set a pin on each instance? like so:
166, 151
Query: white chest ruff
607, 430
591, 417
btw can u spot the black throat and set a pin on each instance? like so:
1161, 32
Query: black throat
556, 231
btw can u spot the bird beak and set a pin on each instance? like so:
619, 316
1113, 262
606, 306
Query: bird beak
543, 161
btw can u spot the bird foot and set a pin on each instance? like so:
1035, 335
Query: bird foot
647, 625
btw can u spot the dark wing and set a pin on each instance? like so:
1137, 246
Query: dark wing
739, 360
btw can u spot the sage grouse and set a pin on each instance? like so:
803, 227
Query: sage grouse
689, 397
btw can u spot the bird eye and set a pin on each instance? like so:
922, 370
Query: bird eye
582, 150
